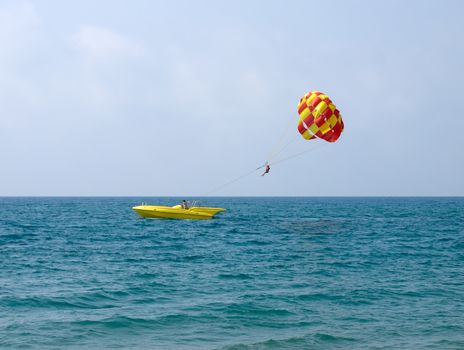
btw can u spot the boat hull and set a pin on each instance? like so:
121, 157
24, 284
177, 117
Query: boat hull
176, 212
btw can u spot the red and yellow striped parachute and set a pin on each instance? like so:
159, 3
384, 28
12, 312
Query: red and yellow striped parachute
319, 118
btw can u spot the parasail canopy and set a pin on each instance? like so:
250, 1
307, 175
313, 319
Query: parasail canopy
319, 118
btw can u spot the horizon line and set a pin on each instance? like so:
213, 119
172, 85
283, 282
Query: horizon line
230, 196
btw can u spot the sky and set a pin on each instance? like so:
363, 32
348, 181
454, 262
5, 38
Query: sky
188, 98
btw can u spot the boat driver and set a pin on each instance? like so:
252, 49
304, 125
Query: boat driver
184, 204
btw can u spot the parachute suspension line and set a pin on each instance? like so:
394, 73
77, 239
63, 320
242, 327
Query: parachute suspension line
275, 150
262, 166
297, 154
277, 147
284, 146
232, 181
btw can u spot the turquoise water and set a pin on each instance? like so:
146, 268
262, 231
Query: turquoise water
270, 273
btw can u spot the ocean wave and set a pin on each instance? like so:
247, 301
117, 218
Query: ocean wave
97, 300
312, 341
237, 276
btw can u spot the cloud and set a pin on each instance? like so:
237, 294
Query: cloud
17, 24
20, 38
101, 44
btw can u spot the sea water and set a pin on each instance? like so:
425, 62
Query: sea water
269, 273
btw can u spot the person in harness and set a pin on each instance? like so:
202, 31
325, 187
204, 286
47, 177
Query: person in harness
266, 169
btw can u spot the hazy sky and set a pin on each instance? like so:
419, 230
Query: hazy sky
177, 98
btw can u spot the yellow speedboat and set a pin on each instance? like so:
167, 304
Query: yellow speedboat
176, 212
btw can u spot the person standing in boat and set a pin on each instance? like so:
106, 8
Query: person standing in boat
184, 204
